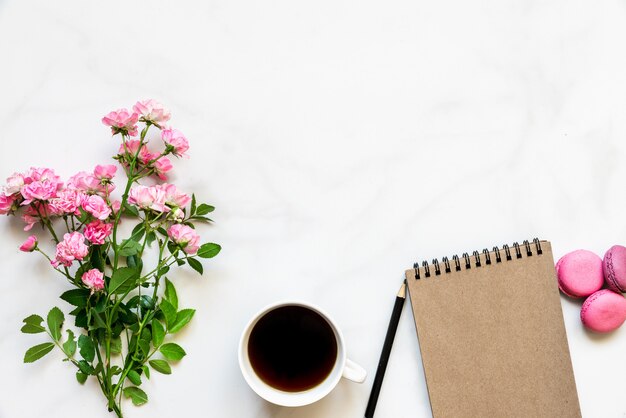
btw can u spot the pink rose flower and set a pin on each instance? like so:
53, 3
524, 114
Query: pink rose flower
122, 121
152, 111
14, 184
30, 221
46, 175
67, 202
40, 184
115, 206
38, 190
186, 237
104, 172
148, 198
6, 204
162, 166
97, 231
97, 207
175, 141
31, 214
173, 197
72, 248
93, 279
29, 245
131, 149
84, 182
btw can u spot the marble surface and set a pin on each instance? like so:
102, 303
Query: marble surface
340, 141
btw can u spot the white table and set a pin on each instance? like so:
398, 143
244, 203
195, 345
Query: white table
340, 141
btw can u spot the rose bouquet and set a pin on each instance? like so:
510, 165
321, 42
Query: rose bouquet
123, 308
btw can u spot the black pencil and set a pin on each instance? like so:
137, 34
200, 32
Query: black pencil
384, 356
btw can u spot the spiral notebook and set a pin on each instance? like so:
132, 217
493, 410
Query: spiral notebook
491, 334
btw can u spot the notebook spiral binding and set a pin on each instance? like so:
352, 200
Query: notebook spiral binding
465, 261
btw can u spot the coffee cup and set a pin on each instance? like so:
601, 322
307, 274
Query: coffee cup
293, 354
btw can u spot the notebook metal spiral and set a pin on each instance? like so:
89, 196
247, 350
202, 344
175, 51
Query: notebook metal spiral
458, 265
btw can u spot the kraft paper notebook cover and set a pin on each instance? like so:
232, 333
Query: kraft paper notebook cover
491, 334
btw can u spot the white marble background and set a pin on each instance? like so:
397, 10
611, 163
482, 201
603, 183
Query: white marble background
340, 141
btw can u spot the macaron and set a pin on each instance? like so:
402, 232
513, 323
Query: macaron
604, 311
579, 273
614, 265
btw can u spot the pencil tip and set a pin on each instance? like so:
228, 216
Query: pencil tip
402, 291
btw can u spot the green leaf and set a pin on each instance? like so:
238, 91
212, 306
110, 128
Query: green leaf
134, 377
161, 366
146, 334
172, 248
201, 218
145, 302
96, 258
76, 297
169, 312
158, 332
144, 341
170, 293
137, 395
138, 231
81, 377
37, 352
144, 347
33, 320
196, 265
70, 344
130, 210
32, 325
115, 370
129, 247
79, 272
172, 351
209, 250
203, 209
98, 322
146, 371
163, 271
81, 319
182, 318
131, 261
192, 209
86, 367
98, 369
32, 329
84, 215
116, 345
123, 280
101, 304
150, 238
86, 348
55, 322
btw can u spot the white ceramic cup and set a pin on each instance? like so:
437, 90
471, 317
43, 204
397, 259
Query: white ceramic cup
343, 367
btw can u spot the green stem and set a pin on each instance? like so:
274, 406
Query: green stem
131, 360
159, 267
129, 183
67, 225
132, 177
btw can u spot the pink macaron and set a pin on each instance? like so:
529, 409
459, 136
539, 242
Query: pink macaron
579, 273
614, 265
604, 311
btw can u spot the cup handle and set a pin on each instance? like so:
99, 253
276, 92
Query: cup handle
354, 372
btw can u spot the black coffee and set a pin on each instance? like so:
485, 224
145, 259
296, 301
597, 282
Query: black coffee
292, 348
